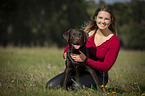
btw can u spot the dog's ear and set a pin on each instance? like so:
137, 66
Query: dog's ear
66, 35
85, 35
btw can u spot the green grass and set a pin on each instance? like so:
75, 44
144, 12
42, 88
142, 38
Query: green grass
25, 72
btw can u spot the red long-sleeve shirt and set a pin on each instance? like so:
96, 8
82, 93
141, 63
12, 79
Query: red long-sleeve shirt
104, 56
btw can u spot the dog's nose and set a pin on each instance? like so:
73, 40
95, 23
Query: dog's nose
77, 38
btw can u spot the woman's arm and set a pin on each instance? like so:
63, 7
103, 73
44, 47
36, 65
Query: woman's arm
65, 50
109, 59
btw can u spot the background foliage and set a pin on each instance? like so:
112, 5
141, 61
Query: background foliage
42, 22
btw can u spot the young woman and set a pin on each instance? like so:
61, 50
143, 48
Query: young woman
103, 45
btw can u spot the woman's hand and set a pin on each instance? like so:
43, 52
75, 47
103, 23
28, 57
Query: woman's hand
79, 58
64, 56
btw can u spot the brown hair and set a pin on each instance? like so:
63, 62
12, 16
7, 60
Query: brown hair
92, 24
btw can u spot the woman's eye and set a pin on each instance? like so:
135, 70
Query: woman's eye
107, 18
100, 17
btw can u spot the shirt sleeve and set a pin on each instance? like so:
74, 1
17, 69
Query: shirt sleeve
66, 48
109, 59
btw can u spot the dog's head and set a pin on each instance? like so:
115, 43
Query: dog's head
75, 37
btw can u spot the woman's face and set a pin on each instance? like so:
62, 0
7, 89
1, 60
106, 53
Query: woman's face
103, 20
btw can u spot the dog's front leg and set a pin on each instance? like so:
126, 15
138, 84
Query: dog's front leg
67, 73
95, 77
66, 77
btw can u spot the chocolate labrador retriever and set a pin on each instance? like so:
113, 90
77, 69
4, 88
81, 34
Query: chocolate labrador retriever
76, 39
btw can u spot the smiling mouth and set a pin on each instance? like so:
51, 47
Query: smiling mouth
101, 24
76, 46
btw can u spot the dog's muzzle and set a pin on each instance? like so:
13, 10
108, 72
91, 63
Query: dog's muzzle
76, 46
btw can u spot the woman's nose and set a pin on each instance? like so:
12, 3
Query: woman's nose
103, 20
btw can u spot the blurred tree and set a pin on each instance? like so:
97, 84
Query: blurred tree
136, 37
122, 13
131, 22
37, 22
42, 22
91, 7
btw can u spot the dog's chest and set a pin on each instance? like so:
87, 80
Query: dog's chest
77, 67
72, 62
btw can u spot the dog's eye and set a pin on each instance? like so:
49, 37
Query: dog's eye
73, 34
80, 35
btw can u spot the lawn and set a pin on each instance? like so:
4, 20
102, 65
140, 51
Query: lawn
25, 72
